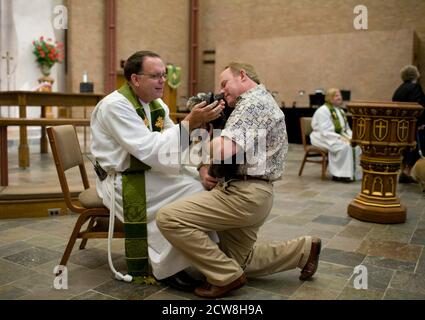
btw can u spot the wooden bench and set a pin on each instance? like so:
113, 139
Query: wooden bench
7, 122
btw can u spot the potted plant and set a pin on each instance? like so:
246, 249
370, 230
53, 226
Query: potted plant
47, 53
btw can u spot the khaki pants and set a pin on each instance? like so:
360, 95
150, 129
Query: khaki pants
236, 214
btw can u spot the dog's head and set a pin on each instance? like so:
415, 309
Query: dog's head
210, 97
216, 170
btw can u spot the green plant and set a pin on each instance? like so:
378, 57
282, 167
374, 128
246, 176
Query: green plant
46, 52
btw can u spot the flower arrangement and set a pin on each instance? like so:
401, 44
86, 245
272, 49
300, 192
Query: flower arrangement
47, 53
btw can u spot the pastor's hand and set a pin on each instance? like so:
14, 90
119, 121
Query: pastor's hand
203, 113
207, 181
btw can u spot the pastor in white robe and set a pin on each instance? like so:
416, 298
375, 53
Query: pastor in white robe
343, 163
119, 132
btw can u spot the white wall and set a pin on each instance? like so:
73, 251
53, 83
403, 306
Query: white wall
22, 22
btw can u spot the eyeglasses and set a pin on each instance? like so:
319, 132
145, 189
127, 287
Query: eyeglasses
156, 76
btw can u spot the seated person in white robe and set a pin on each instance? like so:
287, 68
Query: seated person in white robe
331, 131
120, 134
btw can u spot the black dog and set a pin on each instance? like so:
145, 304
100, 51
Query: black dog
217, 170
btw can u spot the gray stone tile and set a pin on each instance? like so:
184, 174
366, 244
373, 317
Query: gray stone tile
408, 282
395, 294
250, 293
334, 269
322, 234
327, 282
33, 256
324, 227
48, 267
10, 292
390, 249
81, 281
46, 225
338, 221
92, 295
292, 220
178, 293
420, 269
378, 278
127, 291
306, 292
35, 282
283, 283
90, 257
47, 294
409, 225
44, 240
390, 263
418, 237
14, 223
350, 293
165, 295
320, 205
387, 234
308, 194
13, 247
355, 232
17, 234
421, 223
342, 257
11, 272
343, 243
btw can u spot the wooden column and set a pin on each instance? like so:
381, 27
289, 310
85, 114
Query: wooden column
4, 175
193, 47
383, 130
23, 149
46, 112
111, 47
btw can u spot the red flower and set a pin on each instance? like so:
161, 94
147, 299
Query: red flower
47, 52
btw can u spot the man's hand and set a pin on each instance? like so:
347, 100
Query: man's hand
202, 113
207, 181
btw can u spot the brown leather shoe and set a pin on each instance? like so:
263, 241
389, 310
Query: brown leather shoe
210, 291
313, 260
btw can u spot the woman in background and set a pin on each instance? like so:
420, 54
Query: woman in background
411, 91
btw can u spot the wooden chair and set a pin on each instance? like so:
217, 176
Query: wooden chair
312, 154
67, 154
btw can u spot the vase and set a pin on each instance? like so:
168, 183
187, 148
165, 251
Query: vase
45, 69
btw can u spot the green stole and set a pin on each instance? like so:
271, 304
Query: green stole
335, 118
134, 197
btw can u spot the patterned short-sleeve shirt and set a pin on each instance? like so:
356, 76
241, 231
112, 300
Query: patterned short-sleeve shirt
258, 126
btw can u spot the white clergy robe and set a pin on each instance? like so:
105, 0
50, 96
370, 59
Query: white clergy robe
120, 131
342, 163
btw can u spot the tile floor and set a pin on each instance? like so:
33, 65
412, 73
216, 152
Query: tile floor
393, 254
